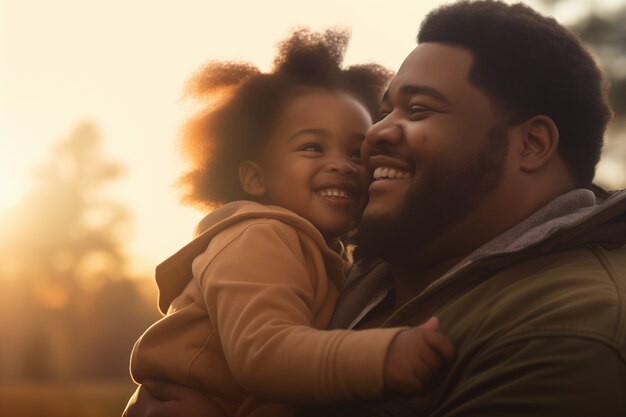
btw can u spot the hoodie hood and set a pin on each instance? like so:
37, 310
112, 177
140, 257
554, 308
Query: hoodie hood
576, 218
173, 274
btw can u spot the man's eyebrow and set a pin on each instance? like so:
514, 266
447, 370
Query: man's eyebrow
414, 89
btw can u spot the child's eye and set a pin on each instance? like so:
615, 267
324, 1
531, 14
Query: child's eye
312, 147
383, 114
356, 156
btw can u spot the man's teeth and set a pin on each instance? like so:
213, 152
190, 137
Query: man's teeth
335, 192
390, 173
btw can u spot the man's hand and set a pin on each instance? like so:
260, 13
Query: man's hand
157, 398
415, 355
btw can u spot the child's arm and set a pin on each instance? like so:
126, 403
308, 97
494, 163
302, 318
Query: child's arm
260, 298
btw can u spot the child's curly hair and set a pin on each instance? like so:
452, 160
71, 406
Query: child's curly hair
247, 104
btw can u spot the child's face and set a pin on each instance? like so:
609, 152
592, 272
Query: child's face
311, 162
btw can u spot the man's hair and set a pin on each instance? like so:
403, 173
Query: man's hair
528, 65
242, 105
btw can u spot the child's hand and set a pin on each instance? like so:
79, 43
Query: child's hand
415, 355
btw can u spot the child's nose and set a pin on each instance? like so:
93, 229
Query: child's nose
341, 164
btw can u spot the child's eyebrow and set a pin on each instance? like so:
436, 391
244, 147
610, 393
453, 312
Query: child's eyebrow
323, 133
312, 131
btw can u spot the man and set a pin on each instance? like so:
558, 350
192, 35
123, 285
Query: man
482, 213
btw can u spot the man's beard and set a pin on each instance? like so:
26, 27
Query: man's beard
439, 203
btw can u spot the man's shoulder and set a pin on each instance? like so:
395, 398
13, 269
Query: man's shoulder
580, 276
535, 330
575, 293
579, 293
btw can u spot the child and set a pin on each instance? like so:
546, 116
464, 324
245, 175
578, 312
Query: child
247, 300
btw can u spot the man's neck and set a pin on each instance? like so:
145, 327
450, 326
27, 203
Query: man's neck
414, 272
411, 281
425, 262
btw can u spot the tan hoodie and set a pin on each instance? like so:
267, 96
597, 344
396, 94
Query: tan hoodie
246, 303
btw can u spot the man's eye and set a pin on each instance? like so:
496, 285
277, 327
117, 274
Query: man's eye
383, 114
417, 112
418, 109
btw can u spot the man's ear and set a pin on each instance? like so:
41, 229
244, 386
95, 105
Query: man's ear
539, 142
252, 178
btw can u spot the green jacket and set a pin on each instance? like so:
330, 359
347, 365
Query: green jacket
538, 318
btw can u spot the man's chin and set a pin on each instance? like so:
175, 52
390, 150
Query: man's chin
382, 240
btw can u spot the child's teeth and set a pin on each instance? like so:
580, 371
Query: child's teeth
335, 192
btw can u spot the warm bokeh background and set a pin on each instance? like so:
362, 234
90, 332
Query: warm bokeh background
90, 104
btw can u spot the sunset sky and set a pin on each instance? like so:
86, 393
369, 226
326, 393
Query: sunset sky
121, 64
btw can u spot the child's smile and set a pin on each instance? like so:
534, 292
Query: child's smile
311, 164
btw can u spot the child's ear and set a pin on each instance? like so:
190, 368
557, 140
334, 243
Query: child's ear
252, 178
539, 143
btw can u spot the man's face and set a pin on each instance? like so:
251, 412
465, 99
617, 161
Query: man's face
435, 155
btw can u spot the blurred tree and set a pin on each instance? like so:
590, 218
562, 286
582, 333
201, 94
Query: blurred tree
66, 220
606, 35
603, 29
121, 314
63, 246
59, 226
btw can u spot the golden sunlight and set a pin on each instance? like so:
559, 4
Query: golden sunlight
12, 184
91, 110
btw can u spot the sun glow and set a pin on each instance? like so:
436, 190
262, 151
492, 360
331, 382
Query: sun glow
12, 181
122, 65
17, 155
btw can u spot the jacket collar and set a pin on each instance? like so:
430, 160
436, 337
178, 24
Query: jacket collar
571, 219
577, 218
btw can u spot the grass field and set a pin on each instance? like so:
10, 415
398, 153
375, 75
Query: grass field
76, 399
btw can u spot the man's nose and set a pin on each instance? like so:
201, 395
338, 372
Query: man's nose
384, 133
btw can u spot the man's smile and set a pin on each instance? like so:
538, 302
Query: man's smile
388, 168
390, 173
